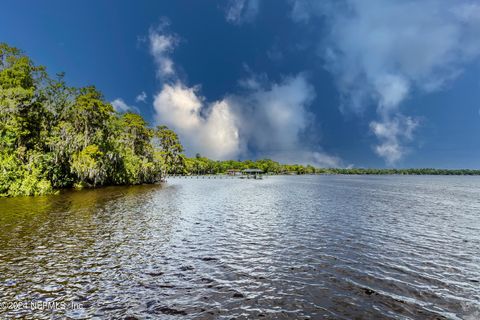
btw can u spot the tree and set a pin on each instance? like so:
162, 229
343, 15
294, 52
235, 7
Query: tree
91, 118
89, 166
135, 151
21, 111
169, 149
22, 160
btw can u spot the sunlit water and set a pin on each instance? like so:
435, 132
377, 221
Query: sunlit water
313, 247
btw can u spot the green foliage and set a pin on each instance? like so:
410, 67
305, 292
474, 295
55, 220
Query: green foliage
53, 136
201, 165
23, 177
136, 151
89, 166
170, 150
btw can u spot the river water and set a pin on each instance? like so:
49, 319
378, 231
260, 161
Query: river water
302, 247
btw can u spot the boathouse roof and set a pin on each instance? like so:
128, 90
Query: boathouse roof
252, 171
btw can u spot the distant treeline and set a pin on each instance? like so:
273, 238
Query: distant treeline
201, 165
411, 171
53, 136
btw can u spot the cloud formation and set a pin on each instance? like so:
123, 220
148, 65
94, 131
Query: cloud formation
120, 106
270, 118
382, 51
241, 11
274, 115
392, 133
210, 129
141, 97
161, 46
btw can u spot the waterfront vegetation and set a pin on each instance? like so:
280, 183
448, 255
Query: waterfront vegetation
202, 165
54, 136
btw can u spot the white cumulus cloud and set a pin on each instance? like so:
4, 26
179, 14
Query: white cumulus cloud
206, 128
120, 106
271, 119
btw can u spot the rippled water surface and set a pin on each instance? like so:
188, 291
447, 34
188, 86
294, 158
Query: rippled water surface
313, 247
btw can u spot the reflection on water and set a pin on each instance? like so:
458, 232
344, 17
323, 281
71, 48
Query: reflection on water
281, 248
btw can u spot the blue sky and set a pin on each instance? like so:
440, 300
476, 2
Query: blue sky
332, 83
